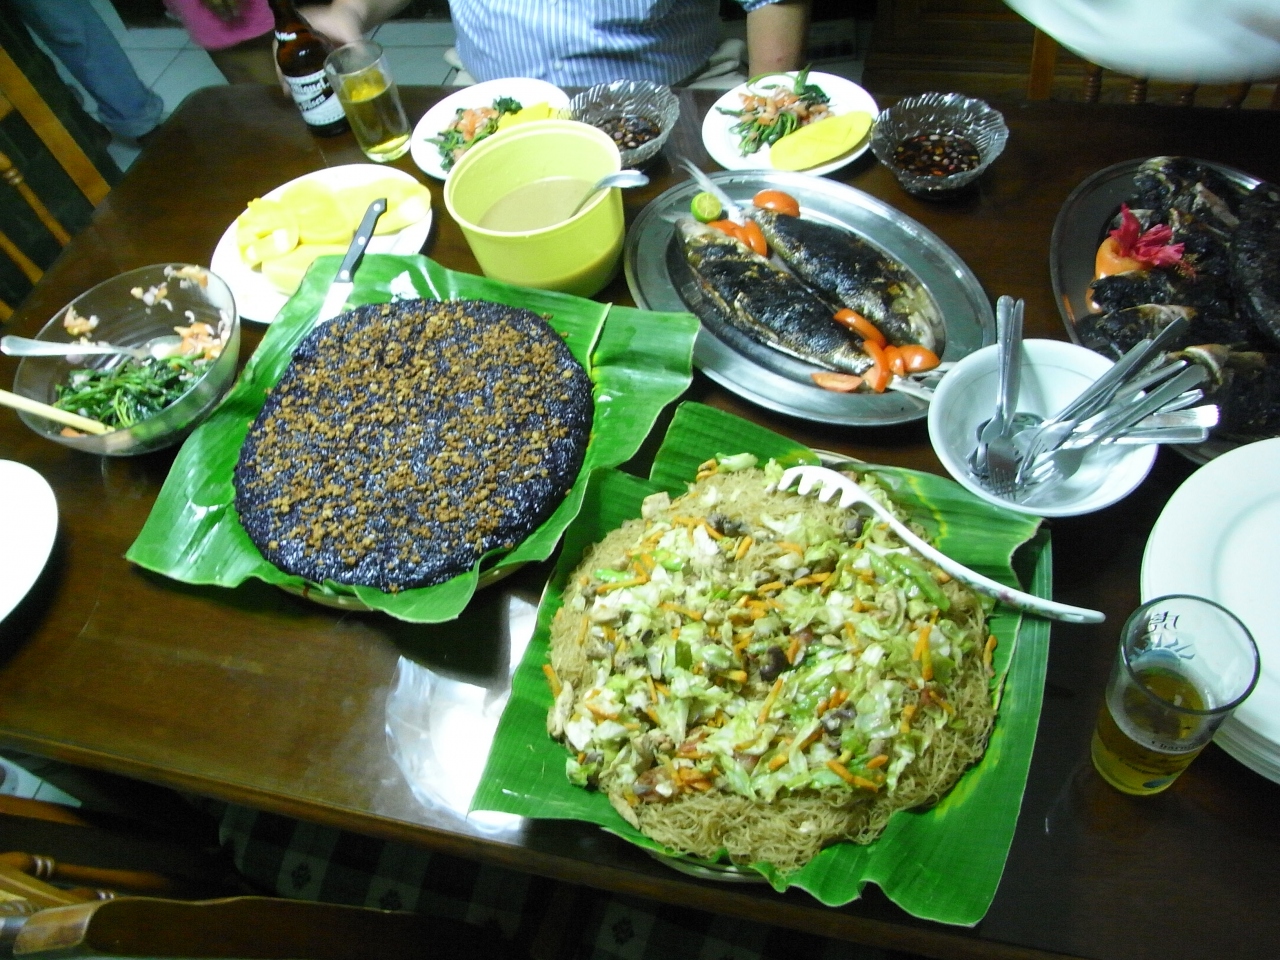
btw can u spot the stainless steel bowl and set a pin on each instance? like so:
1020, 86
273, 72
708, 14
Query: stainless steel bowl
193, 293
629, 98
938, 113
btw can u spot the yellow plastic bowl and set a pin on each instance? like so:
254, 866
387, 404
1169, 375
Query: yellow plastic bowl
577, 256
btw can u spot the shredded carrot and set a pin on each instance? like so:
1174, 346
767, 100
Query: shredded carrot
790, 547
778, 760
601, 712
740, 676
662, 688
712, 532
810, 739
653, 693
743, 600
771, 585
877, 761
821, 708
908, 712
683, 611
741, 639
653, 715
743, 547
922, 643
768, 701
989, 651
864, 784
926, 662
620, 584
793, 651
840, 770
838, 696
552, 679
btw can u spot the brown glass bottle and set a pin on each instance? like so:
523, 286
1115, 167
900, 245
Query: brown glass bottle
301, 53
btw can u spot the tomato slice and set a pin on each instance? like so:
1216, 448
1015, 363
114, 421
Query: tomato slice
878, 378
750, 234
838, 382
778, 202
860, 325
893, 357
917, 359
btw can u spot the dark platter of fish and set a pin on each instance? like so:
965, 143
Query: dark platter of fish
1222, 227
765, 331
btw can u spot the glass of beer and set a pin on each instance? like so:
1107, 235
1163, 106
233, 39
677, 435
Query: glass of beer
361, 76
1184, 664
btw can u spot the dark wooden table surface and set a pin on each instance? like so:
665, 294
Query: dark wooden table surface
258, 697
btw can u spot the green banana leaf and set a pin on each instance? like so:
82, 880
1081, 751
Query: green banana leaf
639, 362
943, 863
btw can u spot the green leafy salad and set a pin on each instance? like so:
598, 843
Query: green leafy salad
754, 673
469, 126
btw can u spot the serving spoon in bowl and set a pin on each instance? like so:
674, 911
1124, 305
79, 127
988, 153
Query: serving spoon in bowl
158, 348
619, 178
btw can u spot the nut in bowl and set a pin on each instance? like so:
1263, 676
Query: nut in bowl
638, 115
184, 315
937, 143
1053, 374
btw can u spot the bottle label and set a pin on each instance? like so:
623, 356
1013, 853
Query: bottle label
317, 101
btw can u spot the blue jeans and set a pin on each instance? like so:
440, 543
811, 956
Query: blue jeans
89, 50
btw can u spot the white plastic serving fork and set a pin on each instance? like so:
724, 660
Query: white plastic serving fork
827, 483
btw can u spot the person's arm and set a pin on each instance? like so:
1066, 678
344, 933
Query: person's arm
776, 36
346, 21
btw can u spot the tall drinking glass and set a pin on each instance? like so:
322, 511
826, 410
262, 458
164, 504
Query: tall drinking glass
361, 76
1184, 664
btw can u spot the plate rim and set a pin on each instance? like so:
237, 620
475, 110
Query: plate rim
1168, 536
639, 253
726, 154
41, 512
427, 160
226, 263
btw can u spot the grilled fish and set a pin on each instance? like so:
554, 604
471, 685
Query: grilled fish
766, 302
1255, 263
844, 267
1116, 332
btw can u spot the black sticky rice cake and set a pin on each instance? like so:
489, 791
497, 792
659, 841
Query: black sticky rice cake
406, 440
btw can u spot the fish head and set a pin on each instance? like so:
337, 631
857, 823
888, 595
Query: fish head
702, 242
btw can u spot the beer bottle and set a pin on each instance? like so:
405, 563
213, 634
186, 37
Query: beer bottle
300, 54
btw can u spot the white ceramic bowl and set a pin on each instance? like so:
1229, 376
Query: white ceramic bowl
1053, 373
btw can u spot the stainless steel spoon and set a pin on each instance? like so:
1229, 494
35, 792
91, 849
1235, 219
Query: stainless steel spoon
158, 347
623, 178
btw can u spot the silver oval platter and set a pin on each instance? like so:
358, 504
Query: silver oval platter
660, 279
1081, 225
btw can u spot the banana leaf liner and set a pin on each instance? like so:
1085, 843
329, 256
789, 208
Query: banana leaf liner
639, 361
942, 863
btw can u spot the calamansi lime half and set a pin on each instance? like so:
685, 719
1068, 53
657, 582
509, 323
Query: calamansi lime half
705, 207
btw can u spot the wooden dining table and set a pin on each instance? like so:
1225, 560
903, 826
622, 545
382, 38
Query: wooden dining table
367, 723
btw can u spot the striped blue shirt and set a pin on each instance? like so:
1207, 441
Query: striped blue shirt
577, 43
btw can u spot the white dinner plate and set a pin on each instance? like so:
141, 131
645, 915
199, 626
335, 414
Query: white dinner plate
523, 89
722, 143
257, 297
28, 526
1219, 537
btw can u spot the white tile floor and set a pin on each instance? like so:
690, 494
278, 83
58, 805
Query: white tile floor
167, 60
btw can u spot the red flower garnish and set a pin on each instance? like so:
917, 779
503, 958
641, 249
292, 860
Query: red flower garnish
1152, 248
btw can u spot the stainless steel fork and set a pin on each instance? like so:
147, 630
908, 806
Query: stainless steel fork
1002, 455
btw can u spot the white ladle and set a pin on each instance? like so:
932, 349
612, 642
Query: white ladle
622, 178
158, 347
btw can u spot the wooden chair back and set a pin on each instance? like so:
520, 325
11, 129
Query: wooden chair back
1044, 67
18, 95
53, 909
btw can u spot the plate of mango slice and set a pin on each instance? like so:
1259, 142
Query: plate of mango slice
264, 254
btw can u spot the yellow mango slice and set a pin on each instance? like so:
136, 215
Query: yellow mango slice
820, 142
265, 229
538, 111
320, 217
407, 202
286, 272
